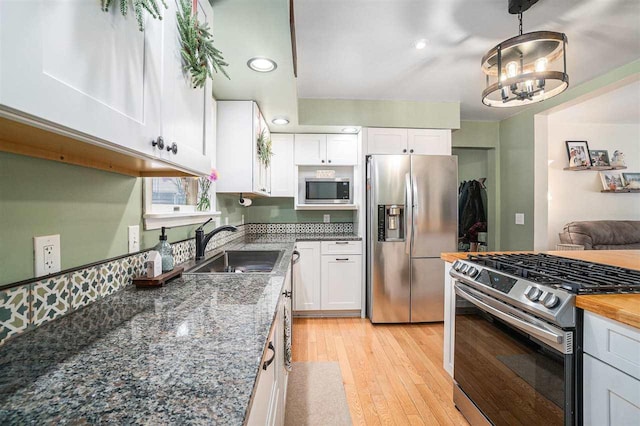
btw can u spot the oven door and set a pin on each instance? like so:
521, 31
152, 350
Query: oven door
516, 369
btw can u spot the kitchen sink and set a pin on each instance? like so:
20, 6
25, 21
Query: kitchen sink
239, 261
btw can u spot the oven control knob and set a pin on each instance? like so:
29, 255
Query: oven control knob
464, 269
532, 293
457, 264
550, 301
473, 272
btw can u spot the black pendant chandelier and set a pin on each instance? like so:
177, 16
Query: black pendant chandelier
525, 69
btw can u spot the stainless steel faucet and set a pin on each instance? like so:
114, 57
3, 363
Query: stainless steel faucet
202, 239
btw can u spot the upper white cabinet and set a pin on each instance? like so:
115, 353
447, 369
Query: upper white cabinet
239, 124
316, 150
408, 141
282, 168
69, 67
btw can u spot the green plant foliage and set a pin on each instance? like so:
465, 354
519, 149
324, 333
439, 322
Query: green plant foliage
198, 53
151, 6
264, 147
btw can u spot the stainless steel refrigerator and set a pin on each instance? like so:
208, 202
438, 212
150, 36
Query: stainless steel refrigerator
412, 217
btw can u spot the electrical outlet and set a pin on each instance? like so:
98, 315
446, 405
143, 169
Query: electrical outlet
134, 238
46, 250
226, 220
327, 218
519, 218
242, 220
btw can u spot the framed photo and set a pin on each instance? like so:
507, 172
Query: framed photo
631, 180
599, 158
578, 152
611, 180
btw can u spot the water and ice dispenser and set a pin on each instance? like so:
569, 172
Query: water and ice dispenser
391, 222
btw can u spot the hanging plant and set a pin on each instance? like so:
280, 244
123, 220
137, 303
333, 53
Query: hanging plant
265, 151
204, 184
151, 6
198, 53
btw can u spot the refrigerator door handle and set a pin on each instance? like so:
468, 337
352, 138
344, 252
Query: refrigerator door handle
414, 206
408, 211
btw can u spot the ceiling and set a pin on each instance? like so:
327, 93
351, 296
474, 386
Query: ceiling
618, 106
363, 49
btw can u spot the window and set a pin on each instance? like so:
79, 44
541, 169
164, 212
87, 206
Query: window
173, 201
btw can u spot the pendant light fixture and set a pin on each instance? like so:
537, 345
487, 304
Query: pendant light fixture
525, 69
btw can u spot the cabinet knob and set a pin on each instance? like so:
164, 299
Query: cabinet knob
404, 150
172, 148
158, 142
411, 151
329, 161
322, 161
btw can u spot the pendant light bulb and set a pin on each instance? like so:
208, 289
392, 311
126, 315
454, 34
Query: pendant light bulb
541, 64
512, 69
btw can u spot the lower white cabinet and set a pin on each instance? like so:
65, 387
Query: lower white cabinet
270, 393
328, 276
339, 276
611, 372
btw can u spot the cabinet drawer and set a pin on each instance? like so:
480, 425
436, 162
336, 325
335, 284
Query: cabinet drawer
610, 396
612, 342
341, 247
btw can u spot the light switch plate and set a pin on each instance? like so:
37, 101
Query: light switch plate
134, 238
46, 250
327, 218
519, 218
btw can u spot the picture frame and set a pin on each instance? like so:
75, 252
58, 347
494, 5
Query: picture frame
631, 180
611, 180
578, 153
599, 158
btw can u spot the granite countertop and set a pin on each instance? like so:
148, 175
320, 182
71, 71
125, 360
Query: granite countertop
188, 352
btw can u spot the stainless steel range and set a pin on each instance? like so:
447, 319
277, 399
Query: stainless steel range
518, 335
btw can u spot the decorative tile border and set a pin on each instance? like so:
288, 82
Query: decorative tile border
35, 303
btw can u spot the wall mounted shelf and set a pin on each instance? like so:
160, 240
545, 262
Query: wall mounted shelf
621, 190
595, 168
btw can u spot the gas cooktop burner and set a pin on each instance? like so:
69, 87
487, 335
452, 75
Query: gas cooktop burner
576, 276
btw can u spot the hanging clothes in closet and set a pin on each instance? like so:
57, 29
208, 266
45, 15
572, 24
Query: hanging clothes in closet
472, 217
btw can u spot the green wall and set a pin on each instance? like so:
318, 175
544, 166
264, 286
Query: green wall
280, 210
517, 159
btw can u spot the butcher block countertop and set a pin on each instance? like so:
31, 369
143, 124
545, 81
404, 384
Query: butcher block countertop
624, 308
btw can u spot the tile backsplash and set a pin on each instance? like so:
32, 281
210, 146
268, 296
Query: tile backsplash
29, 305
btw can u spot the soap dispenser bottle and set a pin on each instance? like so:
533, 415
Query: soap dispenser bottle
166, 252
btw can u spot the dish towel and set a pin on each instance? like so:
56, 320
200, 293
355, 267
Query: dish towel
287, 339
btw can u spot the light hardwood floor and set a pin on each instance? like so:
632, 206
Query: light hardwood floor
392, 374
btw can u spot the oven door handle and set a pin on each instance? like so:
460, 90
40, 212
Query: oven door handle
534, 330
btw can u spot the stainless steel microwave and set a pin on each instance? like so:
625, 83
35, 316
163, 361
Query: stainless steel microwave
327, 191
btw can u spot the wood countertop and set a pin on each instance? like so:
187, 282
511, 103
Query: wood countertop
624, 308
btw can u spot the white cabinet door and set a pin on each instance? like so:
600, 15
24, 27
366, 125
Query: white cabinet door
342, 150
187, 116
262, 409
306, 277
429, 141
310, 150
282, 167
341, 282
386, 141
611, 398
70, 63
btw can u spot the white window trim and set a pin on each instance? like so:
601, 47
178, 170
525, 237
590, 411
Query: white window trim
155, 219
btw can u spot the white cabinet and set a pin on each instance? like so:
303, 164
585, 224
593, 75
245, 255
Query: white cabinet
449, 319
328, 276
611, 372
408, 141
611, 397
282, 168
239, 124
114, 86
340, 277
336, 150
306, 277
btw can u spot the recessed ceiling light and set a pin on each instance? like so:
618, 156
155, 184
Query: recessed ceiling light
262, 64
281, 121
420, 44
349, 130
